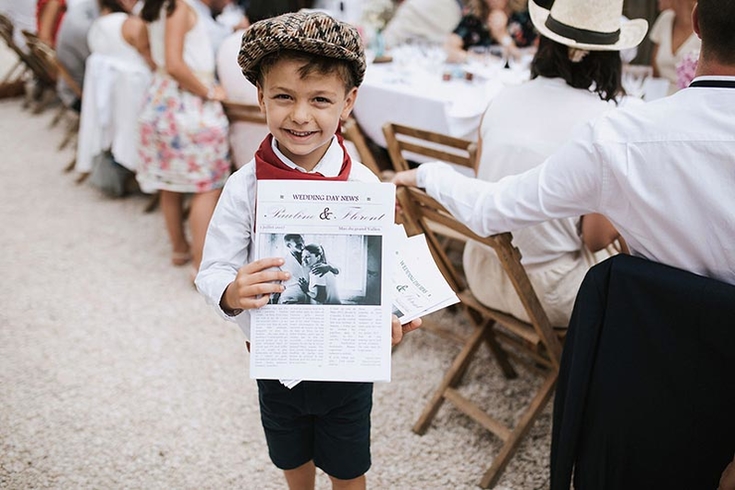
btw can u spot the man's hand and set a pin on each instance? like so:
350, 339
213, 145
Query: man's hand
406, 177
321, 269
398, 330
254, 284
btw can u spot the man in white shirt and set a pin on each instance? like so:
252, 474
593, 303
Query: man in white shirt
663, 173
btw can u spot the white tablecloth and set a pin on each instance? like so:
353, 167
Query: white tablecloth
414, 94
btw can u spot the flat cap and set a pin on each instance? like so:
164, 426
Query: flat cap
310, 32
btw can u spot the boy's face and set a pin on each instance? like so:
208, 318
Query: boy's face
303, 113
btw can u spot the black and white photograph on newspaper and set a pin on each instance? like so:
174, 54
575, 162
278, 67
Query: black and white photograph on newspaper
327, 269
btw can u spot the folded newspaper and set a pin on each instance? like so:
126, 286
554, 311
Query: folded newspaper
419, 286
350, 270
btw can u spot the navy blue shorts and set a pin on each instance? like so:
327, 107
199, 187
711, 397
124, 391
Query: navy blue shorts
328, 422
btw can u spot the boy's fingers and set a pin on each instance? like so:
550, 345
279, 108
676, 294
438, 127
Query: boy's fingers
249, 291
412, 325
262, 264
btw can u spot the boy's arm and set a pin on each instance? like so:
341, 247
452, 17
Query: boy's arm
253, 285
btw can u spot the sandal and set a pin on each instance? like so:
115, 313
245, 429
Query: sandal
180, 258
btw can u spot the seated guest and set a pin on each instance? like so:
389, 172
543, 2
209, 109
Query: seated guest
490, 22
72, 49
673, 39
432, 20
117, 77
118, 34
636, 166
49, 14
570, 85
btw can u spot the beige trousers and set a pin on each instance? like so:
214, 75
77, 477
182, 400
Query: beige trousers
556, 284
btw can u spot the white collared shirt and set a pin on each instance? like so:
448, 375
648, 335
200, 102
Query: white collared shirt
663, 173
231, 230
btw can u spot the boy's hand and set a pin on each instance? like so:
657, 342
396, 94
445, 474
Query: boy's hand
254, 284
398, 330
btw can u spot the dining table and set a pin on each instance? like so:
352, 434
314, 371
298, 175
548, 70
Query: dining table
417, 88
414, 86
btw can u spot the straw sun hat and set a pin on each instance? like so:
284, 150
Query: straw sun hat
311, 32
592, 25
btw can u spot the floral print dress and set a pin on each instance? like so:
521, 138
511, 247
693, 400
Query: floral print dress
183, 138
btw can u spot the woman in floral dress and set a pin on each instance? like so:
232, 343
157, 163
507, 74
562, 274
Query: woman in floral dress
183, 128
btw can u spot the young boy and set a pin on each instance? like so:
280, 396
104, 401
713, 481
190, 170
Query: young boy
307, 68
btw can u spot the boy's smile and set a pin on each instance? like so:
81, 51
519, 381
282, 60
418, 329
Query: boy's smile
303, 113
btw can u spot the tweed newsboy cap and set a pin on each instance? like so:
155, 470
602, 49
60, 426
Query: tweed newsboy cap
311, 32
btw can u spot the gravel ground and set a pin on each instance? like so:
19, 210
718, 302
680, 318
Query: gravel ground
114, 373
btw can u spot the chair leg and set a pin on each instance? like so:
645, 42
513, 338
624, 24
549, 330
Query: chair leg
47, 96
59, 115
71, 131
153, 203
451, 378
70, 166
492, 342
500, 355
492, 475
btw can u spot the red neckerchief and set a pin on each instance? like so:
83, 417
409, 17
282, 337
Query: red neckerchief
269, 167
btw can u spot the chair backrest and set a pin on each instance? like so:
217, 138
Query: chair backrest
352, 133
405, 140
46, 56
6, 32
239, 112
422, 214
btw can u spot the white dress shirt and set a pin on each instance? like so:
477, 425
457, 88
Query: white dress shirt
232, 229
662, 172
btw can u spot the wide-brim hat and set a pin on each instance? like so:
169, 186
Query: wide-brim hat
310, 32
594, 25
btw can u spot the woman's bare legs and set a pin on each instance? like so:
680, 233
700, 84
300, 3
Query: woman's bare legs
173, 214
200, 212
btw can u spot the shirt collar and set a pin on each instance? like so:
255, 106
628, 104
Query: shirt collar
714, 78
329, 166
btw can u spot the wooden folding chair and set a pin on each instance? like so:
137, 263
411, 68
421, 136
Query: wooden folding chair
17, 72
506, 336
405, 140
46, 72
46, 56
236, 111
352, 133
